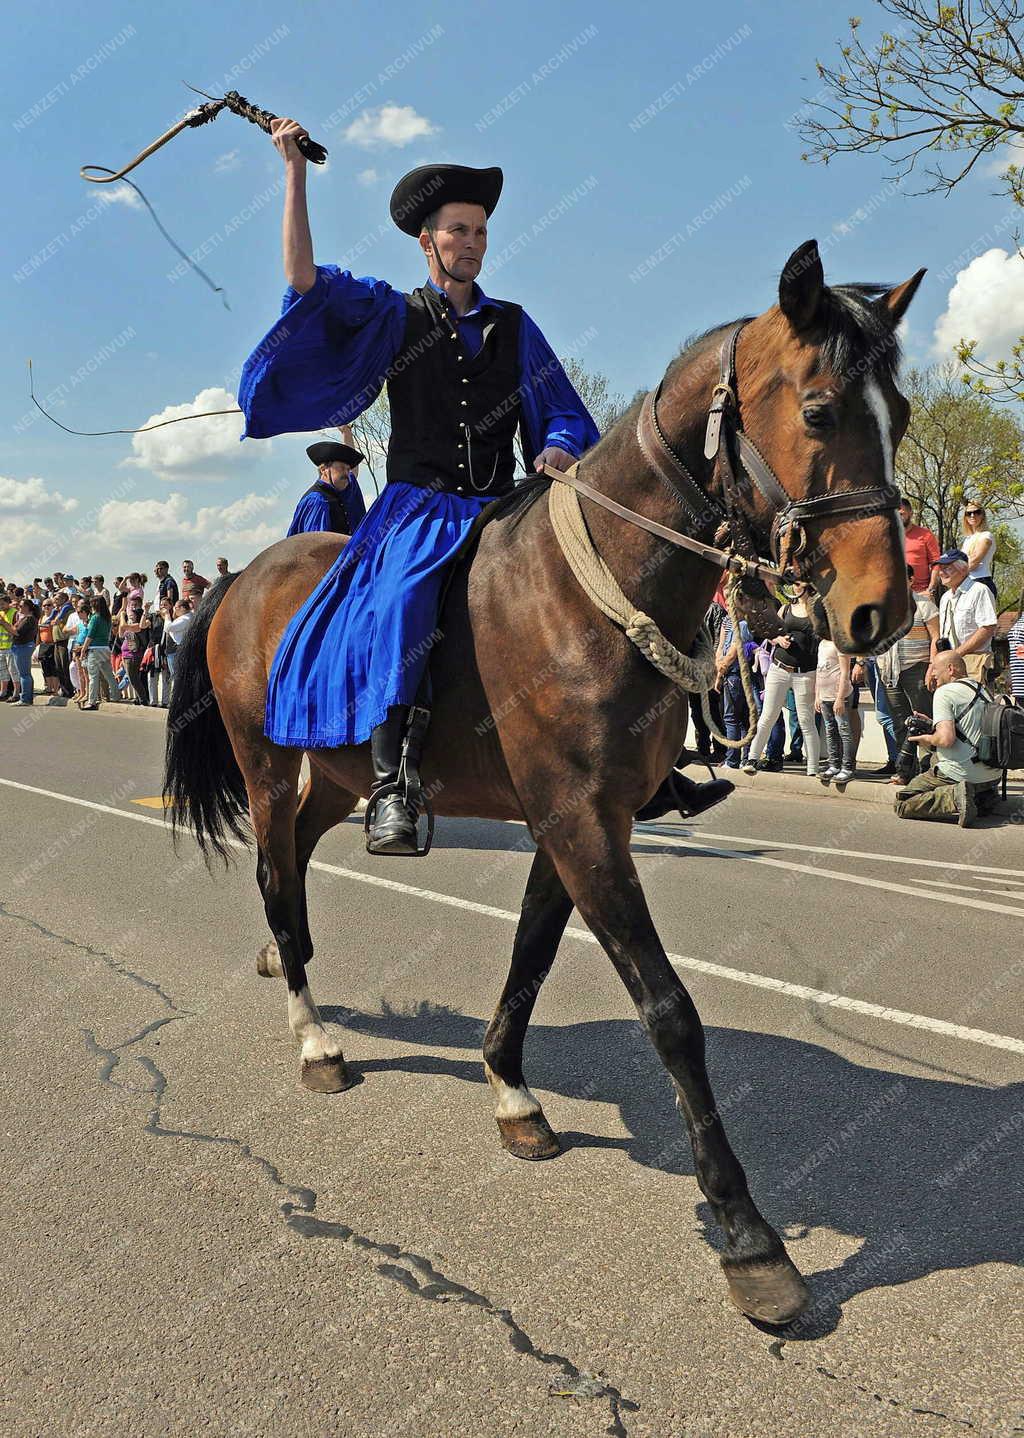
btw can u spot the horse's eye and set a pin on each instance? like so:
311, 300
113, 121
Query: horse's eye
818, 418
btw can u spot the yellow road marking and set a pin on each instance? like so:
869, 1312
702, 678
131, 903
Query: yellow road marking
156, 803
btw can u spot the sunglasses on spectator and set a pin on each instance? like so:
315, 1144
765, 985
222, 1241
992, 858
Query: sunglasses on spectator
971, 513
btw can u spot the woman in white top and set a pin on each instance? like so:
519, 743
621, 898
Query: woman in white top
832, 685
979, 545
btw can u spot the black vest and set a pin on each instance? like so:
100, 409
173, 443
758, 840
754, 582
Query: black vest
453, 419
335, 504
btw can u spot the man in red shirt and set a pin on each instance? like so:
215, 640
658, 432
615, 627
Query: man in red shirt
192, 584
922, 550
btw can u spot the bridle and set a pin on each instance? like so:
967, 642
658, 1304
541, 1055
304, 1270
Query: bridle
726, 438
733, 527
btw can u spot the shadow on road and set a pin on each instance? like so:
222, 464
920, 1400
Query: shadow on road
925, 1171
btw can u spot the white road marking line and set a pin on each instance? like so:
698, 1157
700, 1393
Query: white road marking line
1014, 874
840, 874
679, 961
978, 888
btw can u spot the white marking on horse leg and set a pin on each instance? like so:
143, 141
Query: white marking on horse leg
512, 1102
878, 407
314, 1036
268, 961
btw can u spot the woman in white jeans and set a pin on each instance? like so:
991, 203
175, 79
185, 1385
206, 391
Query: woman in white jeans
794, 664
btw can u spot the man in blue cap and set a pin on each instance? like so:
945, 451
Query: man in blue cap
335, 501
463, 372
967, 616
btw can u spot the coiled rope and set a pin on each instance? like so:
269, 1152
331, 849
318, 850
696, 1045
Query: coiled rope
694, 673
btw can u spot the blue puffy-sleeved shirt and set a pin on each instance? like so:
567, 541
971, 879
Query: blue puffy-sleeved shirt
313, 513
326, 359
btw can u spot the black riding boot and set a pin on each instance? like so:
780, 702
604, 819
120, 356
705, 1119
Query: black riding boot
678, 792
394, 823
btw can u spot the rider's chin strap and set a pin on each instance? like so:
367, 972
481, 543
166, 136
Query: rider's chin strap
437, 256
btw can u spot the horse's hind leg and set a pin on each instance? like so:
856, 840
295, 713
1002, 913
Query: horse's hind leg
546, 908
593, 861
322, 804
271, 782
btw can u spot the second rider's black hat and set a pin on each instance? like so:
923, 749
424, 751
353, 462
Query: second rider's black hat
326, 451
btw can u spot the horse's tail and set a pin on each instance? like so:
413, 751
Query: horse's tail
203, 784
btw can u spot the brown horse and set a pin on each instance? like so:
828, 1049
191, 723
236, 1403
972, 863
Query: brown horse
545, 712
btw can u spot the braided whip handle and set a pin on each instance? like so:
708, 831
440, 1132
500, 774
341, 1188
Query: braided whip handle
239, 105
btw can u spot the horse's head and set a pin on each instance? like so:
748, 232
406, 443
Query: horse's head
815, 378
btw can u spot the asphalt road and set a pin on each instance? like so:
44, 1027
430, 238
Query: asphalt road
193, 1243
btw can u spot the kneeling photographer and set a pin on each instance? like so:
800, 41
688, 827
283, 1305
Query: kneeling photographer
956, 785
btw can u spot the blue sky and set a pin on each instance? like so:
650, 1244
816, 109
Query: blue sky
653, 186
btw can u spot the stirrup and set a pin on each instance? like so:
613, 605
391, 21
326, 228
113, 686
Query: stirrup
408, 784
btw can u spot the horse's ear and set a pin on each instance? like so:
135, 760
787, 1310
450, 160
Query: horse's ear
897, 301
802, 285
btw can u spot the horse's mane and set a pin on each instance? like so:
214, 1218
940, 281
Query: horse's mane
858, 339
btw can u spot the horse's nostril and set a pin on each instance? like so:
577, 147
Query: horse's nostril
866, 624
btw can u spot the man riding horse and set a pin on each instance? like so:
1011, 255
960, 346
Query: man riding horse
463, 372
334, 502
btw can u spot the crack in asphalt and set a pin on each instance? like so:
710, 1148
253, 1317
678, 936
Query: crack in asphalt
414, 1272
775, 1349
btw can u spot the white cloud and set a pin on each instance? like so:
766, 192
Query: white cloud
199, 449
367, 177
1010, 153
985, 304
122, 195
17, 543
389, 125
228, 161
120, 520
122, 524
32, 496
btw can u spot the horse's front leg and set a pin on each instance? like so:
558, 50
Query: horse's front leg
593, 860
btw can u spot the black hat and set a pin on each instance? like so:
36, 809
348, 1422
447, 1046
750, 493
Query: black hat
424, 190
326, 451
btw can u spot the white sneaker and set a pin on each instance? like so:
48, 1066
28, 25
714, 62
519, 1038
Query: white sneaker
826, 774
749, 767
843, 776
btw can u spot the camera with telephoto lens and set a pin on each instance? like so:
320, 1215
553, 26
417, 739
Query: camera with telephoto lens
908, 759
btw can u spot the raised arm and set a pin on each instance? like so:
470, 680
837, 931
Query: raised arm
296, 240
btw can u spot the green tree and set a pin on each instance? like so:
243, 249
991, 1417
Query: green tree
371, 431
595, 390
1009, 565
958, 444
938, 91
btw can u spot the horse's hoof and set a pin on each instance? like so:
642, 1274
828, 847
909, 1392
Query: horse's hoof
531, 1137
268, 962
327, 1075
770, 1290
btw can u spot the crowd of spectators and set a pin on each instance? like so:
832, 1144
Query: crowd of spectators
803, 685
93, 643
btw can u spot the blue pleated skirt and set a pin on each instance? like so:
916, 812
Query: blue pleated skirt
362, 640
